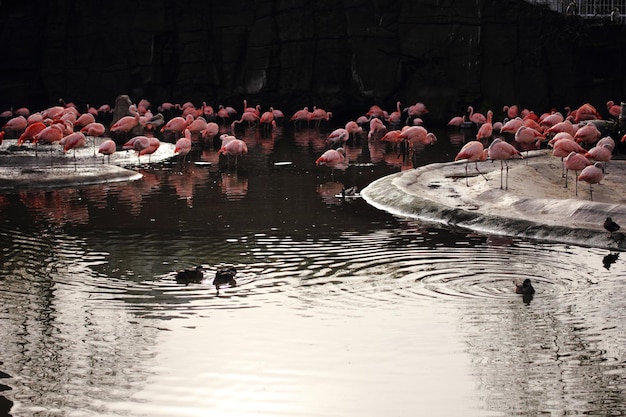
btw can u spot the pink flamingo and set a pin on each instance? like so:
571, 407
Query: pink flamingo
418, 135
30, 132
51, 134
318, 115
511, 111
153, 145
472, 151
416, 110
551, 120
126, 123
93, 129
84, 119
210, 131
456, 121
592, 174
614, 109
353, 128
526, 136
249, 117
300, 116
395, 116
503, 151
377, 128
267, 120
15, 125
339, 135
564, 126
486, 129
183, 145
107, 148
393, 136
138, 144
333, 158
233, 146
278, 114
196, 127
476, 118
601, 153
563, 147
575, 162
512, 125
73, 141
177, 125
587, 134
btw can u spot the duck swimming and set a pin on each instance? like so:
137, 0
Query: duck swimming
225, 276
189, 276
524, 288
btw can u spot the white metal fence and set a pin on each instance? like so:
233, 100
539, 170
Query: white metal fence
607, 10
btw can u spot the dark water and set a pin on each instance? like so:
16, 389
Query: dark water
340, 309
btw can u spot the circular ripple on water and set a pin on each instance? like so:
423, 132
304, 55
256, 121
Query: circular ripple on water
370, 271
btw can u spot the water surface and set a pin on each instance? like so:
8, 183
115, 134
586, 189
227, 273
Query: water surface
340, 309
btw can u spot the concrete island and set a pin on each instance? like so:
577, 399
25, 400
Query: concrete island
536, 204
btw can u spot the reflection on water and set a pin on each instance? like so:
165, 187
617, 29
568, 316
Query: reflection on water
340, 309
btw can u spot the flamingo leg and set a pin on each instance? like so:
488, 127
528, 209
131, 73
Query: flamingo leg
477, 170
507, 174
466, 164
501, 171
576, 173
566, 172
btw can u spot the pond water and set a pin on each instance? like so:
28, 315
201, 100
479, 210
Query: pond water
339, 309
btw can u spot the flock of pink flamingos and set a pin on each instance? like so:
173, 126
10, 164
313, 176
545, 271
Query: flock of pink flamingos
572, 136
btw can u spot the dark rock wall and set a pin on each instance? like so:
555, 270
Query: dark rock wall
339, 55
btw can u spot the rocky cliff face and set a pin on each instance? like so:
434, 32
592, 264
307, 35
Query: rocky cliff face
340, 55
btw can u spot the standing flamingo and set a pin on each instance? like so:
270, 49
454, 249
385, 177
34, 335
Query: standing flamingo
472, 151
249, 117
210, 131
51, 134
601, 153
233, 146
267, 121
183, 145
503, 151
562, 148
153, 145
318, 115
476, 118
587, 134
30, 132
575, 162
107, 148
486, 129
299, 116
592, 174
526, 136
333, 158
15, 125
377, 128
339, 135
73, 141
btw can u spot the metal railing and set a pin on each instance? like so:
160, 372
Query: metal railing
613, 11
